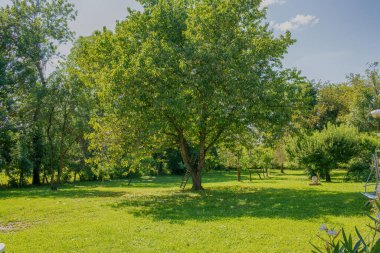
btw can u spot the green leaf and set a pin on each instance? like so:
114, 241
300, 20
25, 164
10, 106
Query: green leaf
376, 247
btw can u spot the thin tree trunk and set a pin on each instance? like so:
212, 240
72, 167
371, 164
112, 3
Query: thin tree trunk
238, 166
52, 183
37, 157
239, 174
75, 176
250, 176
197, 173
44, 179
21, 178
61, 148
60, 168
282, 168
50, 139
197, 170
38, 136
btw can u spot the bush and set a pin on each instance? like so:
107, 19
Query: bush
323, 151
358, 170
20, 166
359, 167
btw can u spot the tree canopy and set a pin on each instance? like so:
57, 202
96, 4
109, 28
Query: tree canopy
190, 73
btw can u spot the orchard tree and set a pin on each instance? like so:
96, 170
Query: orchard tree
279, 156
325, 150
190, 73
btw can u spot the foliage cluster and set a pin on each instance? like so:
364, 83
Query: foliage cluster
333, 147
181, 85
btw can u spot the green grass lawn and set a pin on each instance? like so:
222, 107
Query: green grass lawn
279, 214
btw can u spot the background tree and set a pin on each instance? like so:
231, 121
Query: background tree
65, 119
31, 32
333, 105
19, 168
323, 151
279, 156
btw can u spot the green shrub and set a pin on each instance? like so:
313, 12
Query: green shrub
359, 167
358, 170
325, 150
20, 166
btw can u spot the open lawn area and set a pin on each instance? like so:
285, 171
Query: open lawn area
279, 214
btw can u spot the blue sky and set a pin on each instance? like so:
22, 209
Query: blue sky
345, 37
334, 37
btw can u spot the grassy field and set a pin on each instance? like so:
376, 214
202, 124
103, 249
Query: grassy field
279, 214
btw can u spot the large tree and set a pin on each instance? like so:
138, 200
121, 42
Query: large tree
31, 31
66, 114
190, 73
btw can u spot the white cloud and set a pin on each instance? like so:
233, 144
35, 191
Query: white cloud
266, 3
296, 22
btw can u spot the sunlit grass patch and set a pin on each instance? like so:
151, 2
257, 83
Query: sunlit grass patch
279, 214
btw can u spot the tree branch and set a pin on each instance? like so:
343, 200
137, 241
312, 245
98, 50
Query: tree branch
216, 138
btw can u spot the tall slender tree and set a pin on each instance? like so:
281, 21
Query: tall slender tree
31, 31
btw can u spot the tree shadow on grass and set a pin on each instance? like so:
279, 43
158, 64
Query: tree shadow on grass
45, 192
236, 202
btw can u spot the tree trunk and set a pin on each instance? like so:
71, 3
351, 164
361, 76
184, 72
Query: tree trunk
44, 178
52, 184
75, 176
37, 139
21, 178
36, 175
37, 147
282, 168
250, 176
195, 169
51, 146
328, 177
37, 157
61, 146
239, 174
60, 168
197, 180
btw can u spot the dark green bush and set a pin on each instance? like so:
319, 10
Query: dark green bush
333, 147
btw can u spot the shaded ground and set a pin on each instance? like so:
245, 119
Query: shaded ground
278, 214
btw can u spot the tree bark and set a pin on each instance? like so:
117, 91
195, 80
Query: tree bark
197, 180
75, 176
51, 146
239, 174
62, 152
36, 175
44, 177
328, 177
37, 159
193, 167
21, 178
60, 167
